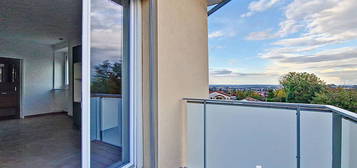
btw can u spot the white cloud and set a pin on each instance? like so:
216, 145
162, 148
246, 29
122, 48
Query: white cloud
260, 35
259, 6
229, 76
222, 33
322, 29
215, 34
315, 36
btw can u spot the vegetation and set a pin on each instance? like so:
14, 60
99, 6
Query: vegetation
248, 93
276, 95
343, 98
308, 88
301, 87
107, 78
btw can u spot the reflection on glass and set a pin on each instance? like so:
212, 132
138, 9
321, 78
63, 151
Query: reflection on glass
109, 83
349, 145
315, 139
1, 72
243, 137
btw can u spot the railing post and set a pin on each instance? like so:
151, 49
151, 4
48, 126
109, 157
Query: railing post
336, 140
100, 117
204, 133
298, 137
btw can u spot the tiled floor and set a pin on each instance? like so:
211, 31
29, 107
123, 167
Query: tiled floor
48, 142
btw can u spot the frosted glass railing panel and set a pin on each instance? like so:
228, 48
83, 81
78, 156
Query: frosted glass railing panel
349, 144
250, 137
316, 139
106, 120
195, 134
111, 121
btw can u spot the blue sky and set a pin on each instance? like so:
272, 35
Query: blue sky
255, 42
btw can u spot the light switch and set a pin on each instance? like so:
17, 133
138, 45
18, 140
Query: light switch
258, 166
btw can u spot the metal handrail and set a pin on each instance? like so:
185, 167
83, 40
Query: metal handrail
308, 107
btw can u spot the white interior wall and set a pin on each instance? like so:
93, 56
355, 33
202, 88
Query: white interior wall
37, 94
69, 92
59, 67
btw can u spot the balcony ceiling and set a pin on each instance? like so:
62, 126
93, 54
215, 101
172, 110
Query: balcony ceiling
213, 2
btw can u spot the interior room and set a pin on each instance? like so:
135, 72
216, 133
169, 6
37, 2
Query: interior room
40, 86
38, 50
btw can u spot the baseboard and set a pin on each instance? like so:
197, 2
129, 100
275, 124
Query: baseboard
47, 114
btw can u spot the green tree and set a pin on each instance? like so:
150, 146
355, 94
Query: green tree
301, 87
343, 98
278, 96
248, 93
107, 78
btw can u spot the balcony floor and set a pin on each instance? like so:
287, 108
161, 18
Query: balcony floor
49, 142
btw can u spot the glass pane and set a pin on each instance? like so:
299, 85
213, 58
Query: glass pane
195, 134
109, 83
59, 70
349, 145
1, 72
316, 139
242, 136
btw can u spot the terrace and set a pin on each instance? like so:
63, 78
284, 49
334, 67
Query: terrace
269, 135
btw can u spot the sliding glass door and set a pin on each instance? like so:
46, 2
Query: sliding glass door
109, 83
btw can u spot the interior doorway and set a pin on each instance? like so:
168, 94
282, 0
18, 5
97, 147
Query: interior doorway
9, 88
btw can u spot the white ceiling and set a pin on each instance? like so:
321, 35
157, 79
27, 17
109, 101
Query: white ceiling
212, 2
41, 21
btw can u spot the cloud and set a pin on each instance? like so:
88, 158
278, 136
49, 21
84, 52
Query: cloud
106, 32
315, 36
329, 55
322, 29
215, 34
343, 77
264, 35
259, 6
221, 72
322, 21
222, 33
228, 76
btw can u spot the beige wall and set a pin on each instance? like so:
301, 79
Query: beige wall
182, 72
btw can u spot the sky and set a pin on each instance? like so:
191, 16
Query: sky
106, 32
257, 41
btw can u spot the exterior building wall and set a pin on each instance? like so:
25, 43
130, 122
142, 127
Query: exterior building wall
182, 72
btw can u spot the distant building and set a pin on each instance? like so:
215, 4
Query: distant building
219, 95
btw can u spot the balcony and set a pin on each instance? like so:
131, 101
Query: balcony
237, 134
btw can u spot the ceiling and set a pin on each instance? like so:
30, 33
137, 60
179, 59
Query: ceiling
41, 21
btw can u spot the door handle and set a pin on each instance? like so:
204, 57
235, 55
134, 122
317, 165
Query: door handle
3, 93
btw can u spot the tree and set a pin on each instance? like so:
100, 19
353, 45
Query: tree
279, 96
343, 98
107, 78
301, 87
248, 93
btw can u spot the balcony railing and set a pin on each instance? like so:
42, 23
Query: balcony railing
236, 134
106, 116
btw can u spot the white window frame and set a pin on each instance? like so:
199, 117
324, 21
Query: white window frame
136, 139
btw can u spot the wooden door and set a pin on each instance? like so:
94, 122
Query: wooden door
9, 88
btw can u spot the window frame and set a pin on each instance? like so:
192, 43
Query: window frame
135, 80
